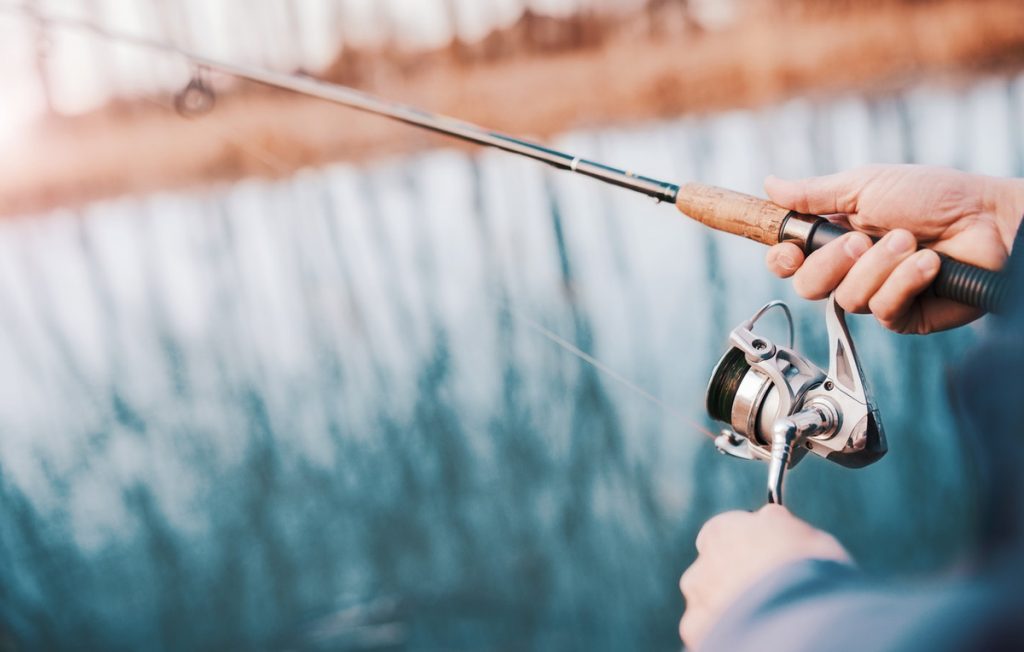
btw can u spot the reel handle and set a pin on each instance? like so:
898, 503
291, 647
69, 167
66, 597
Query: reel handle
762, 221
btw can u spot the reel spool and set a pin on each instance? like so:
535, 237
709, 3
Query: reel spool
779, 405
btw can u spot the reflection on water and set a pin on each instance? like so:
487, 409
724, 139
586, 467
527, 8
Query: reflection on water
311, 415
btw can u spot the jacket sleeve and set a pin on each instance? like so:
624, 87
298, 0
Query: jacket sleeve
815, 606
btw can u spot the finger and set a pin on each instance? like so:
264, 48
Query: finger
894, 300
689, 583
692, 626
716, 527
869, 273
825, 269
773, 510
784, 259
835, 193
938, 314
844, 222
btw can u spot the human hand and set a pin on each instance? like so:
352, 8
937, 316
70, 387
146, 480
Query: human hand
969, 217
734, 551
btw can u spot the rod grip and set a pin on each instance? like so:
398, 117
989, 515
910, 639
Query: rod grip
732, 212
762, 221
961, 282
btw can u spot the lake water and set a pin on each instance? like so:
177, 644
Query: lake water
320, 414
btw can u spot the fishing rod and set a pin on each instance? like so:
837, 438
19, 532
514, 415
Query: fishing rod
718, 208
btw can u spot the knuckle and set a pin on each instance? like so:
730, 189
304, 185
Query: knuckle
897, 323
857, 244
687, 583
771, 261
810, 285
706, 535
884, 308
926, 264
692, 626
716, 522
848, 198
852, 299
685, 627
710, 532
784, 259
900, 243
805, 189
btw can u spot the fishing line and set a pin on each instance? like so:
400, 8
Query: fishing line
574, 350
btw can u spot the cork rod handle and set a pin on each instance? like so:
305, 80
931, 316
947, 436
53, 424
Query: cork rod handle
732, 212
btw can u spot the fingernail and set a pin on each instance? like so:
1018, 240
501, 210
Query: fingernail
900, 242
855, 247
927, 263
786, 261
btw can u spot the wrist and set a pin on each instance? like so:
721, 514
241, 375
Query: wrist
1007, 204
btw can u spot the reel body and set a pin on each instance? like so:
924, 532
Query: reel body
779, 405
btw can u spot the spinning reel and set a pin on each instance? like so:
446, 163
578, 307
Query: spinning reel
779, 405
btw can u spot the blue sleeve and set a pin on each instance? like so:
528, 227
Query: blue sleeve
817, 605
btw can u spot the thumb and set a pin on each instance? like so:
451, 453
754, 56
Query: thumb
828, 195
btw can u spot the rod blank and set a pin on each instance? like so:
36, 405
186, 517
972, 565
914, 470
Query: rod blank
361, 101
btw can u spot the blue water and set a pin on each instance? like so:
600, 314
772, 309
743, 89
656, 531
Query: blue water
316, 414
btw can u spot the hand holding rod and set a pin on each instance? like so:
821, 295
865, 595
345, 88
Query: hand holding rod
764, 222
